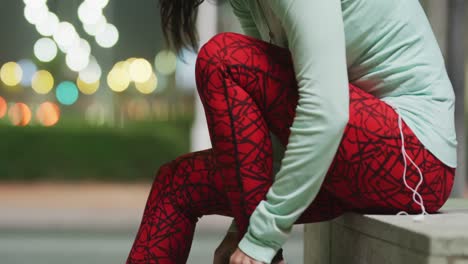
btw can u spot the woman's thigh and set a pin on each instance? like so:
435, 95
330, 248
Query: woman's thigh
367, 171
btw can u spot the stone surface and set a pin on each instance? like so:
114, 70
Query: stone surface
317, 236
350, 246
391, 239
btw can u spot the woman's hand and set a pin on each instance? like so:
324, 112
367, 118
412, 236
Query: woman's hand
224, 251
240, 258
229, 244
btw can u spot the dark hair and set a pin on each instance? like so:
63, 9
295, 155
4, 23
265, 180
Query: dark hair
178, 21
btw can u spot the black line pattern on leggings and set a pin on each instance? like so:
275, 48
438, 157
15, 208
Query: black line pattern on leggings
256, 80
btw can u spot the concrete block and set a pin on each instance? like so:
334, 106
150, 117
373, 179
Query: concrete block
351, 246
317, 244
390, 239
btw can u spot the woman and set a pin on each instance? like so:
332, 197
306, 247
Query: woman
355, 91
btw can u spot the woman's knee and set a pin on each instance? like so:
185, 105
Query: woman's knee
209, 59
216, 55
169, 170
219, 42
164, 174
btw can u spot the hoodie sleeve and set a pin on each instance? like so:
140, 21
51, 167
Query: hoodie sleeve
315, 33
245, 19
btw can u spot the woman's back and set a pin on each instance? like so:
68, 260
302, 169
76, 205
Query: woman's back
391, 53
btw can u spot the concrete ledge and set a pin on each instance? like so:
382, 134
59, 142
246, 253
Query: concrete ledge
390, 239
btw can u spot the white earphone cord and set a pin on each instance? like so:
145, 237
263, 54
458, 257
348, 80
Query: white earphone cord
417, 198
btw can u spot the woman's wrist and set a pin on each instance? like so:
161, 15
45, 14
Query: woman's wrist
233, 228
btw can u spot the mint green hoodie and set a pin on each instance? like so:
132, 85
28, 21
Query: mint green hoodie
385, 47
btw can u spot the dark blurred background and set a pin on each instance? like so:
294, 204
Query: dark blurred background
88, 90
113, 117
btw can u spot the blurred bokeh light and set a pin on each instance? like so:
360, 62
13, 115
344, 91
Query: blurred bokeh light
42, 82
149, 86
78, 55
108, 36
140, 70
34, 3
118, 78
46, 27
19, 114
92, 73
96, 28
87, 88
45, 49
67, 93
3, 107
89, 13
11, 73
165, 62
48, 114
29, 68
65, 35
35, 11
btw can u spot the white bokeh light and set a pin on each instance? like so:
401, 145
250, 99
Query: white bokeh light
77, 60
89, 13
92, 73
48, 26
35, 14
65, 35
34, 3
78, 53
66, 49
45, 49
82, 46
108, 37
99, 3
98, 27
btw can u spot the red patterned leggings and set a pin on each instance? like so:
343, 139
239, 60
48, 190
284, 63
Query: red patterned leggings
248, 88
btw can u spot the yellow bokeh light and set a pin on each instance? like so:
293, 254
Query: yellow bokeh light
48, 114
140, 70
122, 65
42, 82
3, 107
148, 86
165, 62
11, 73
19, 114
130, 60
118, 79
87, 88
